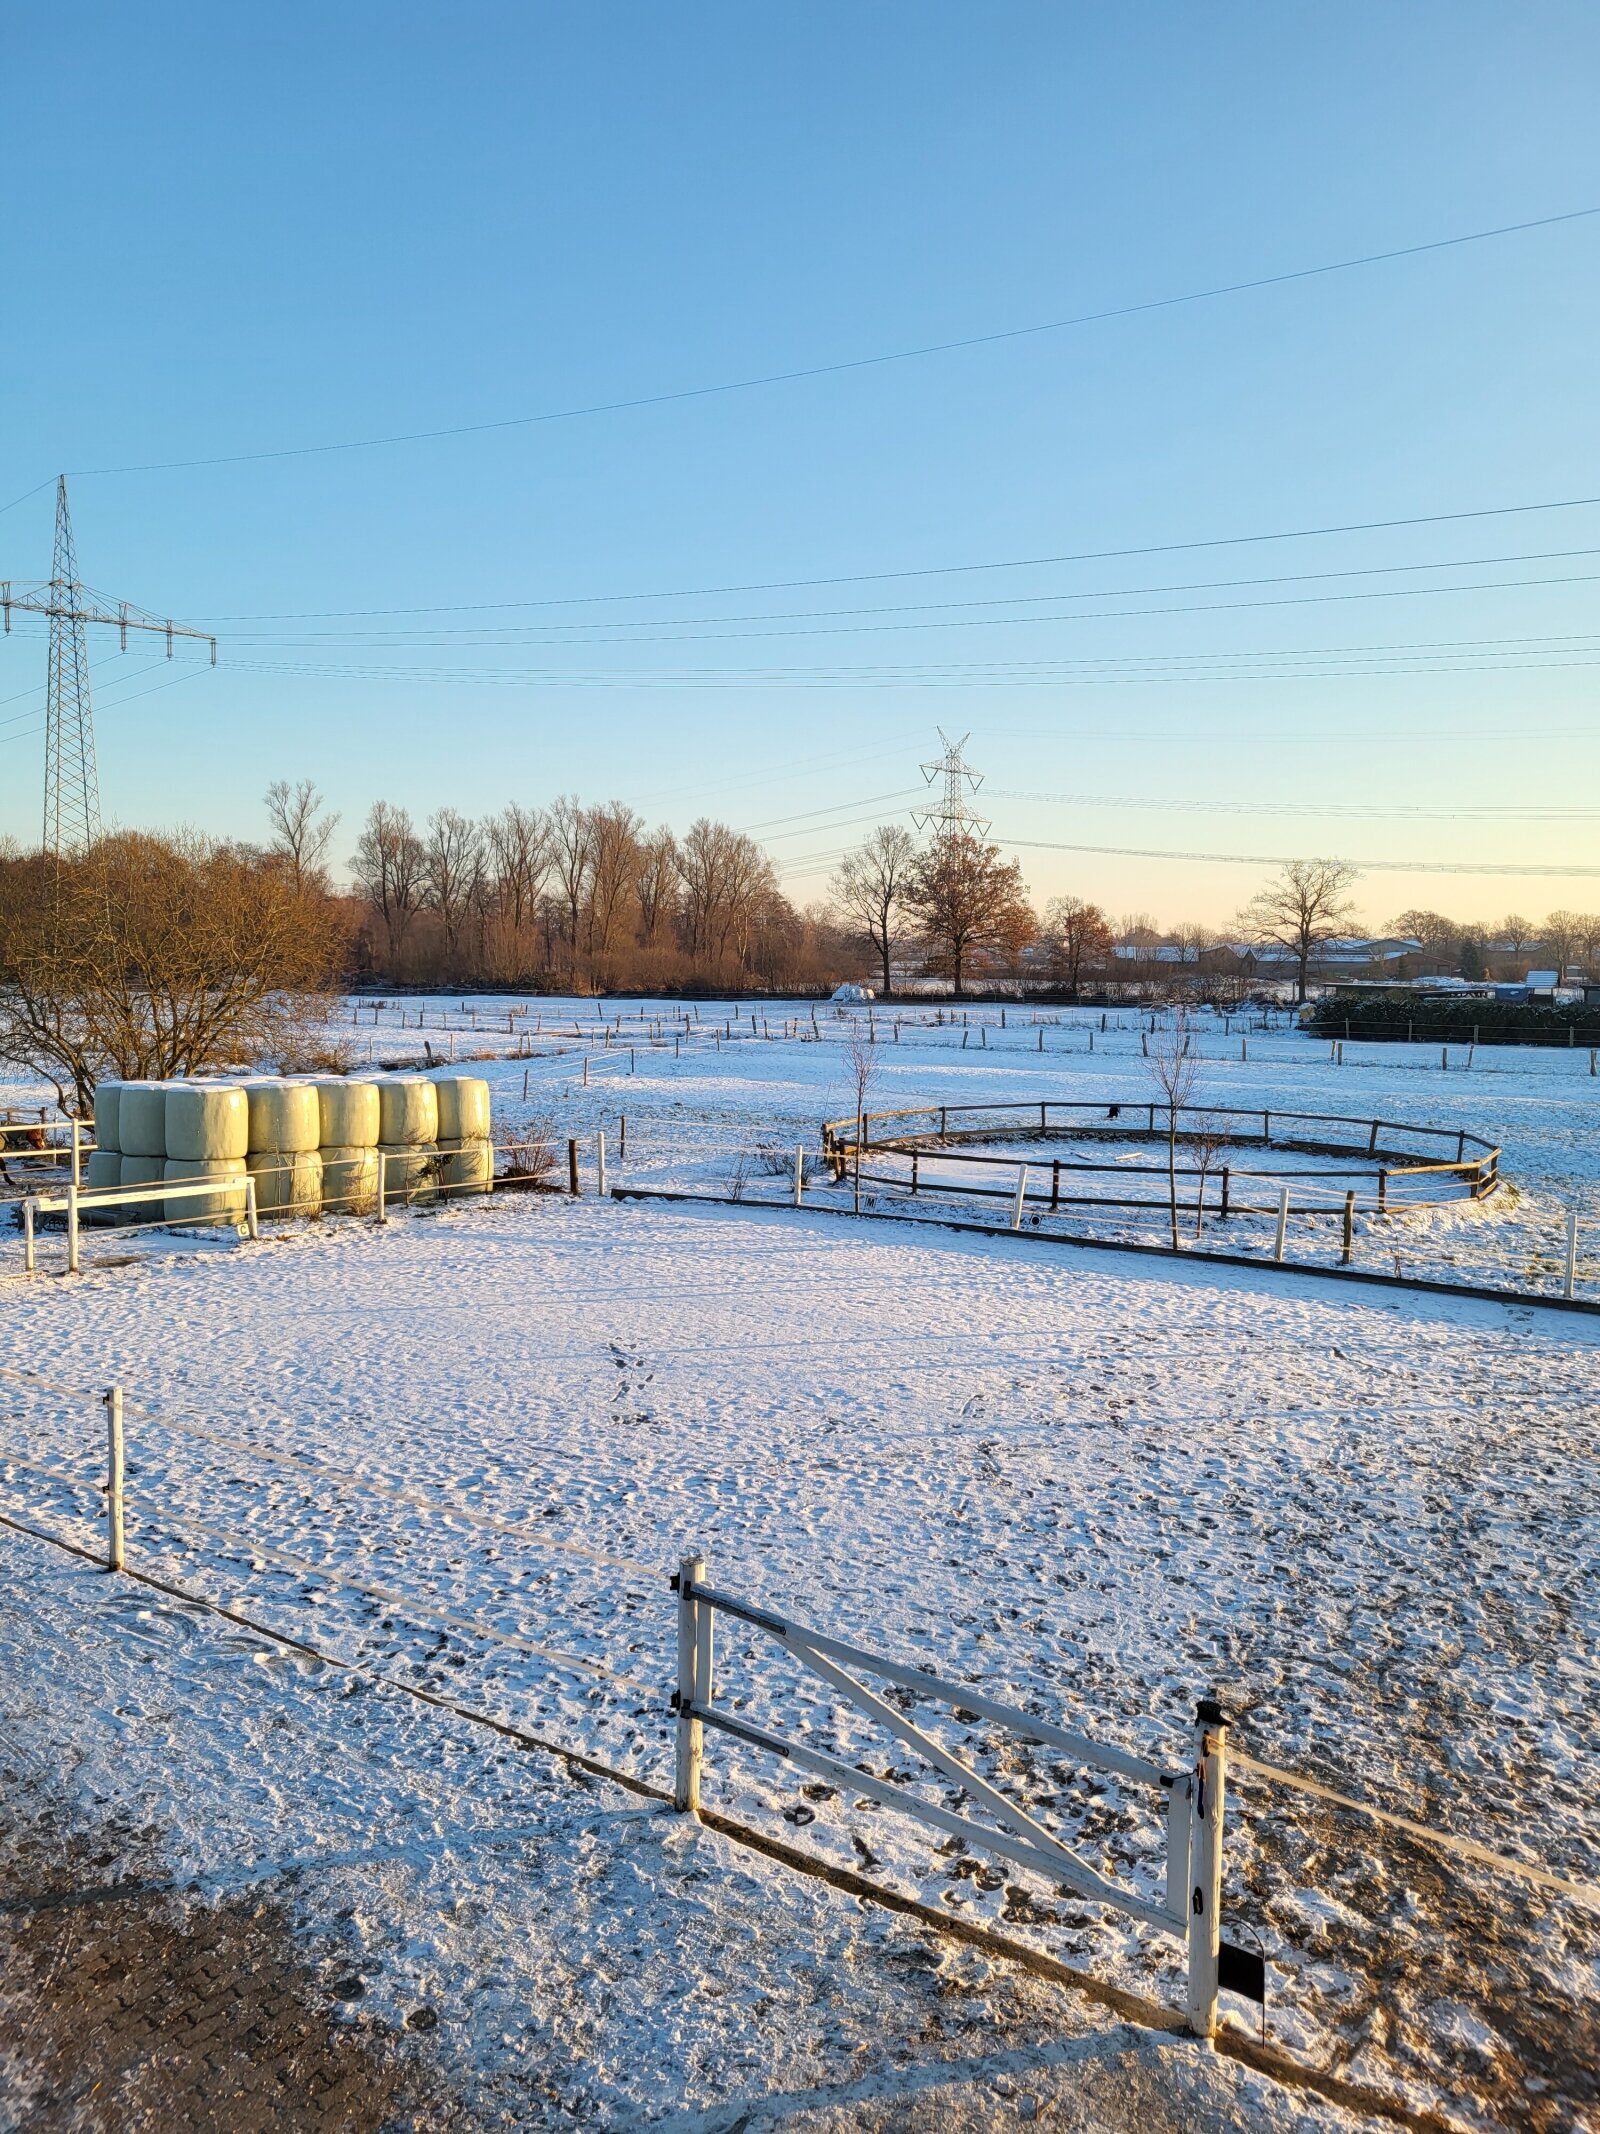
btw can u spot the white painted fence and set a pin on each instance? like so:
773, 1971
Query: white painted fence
1195, 1798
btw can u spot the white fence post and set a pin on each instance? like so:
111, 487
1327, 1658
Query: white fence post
1022, 1194
1283, 1223
799, 1174
113, 1407
600, 1164
691, 1734
1571, 1281
77, 1153
252, 1221
383, 1188
1207, 1801
29, 1259
72, 1227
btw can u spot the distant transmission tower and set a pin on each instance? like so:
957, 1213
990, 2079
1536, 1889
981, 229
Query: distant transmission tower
71, 782
953, 817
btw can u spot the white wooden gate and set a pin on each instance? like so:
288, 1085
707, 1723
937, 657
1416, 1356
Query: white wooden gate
1195, 1797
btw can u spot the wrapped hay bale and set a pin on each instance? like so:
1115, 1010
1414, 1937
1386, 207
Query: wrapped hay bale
227, 1204
106, 1112
463, 1107
467, 1168
288, 1181
103, 1169
142, 1171
410, 1173
350, 1113
285, 1118
350, 1179
207, 1122
408, 1111
142, 1119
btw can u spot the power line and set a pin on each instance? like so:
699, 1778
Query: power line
1314, 808
857, 363
944, 570
1279, 859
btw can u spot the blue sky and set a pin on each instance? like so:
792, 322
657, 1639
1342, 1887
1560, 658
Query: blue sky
237, 231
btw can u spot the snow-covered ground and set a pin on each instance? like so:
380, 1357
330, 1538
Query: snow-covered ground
1095, 1484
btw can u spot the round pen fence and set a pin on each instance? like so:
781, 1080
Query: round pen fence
946, 1150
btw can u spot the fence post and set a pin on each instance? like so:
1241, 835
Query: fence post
799, 1173
383, 1187
1223, 1210
29, 1264
600, 1163
77, 1152
1571, 1280
72, 1228
252, 1219
572, 1169
1283, 1222
1205, 1864
1349, 1226
691, 1735
1022, 1194
113, 1407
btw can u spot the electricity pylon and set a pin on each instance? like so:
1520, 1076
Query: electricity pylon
71, 781
953, 817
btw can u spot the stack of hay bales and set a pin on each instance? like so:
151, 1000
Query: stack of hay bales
284, 1155
309, 1145
466, 1155
349, 1115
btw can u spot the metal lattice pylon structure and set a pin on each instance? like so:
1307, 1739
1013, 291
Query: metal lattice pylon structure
953, 817
71, 778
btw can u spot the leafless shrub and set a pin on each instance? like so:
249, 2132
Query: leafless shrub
531, 1151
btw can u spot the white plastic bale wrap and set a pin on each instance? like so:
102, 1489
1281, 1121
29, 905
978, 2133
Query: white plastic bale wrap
107, 1113
285, 1118
350, 1180
207, 1122
410, 1173
227, 1204
103, 1169
288, 1181
408, 1115
467, 1168
142, 1171
350, 1113
142, 1118
463, 1108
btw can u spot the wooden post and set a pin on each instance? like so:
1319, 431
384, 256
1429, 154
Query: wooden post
799, 1174
1022, 1194
1570, 1281
915, 1162
691, 1734
600, 1164
1207, 1802
586, 1070
572, 1169
1444, 1059
72, 1227
1383, 1192
29, 1265
1244, 1048
112, 1400
622, 1137
1055, 1184
1283, 1223
525, 1085
1223, 1210
1349, 1226
383, 1187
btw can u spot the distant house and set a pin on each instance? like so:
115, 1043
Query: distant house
1541, 985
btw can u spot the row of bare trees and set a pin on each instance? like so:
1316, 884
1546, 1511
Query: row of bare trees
585, 896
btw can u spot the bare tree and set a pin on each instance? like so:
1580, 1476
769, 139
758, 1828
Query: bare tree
1307, 905
1515, 932
870, 889
966, 898
1078, 936
613, 875
156, 956
861, 1071
302, 831
517, 842
656, 887
452, 873
1173, 1066
1562, 935
387, 866
571, 855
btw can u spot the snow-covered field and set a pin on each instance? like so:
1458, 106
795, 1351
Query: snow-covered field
1096, 1484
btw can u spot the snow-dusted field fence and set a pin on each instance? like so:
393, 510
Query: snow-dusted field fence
1193, 1800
